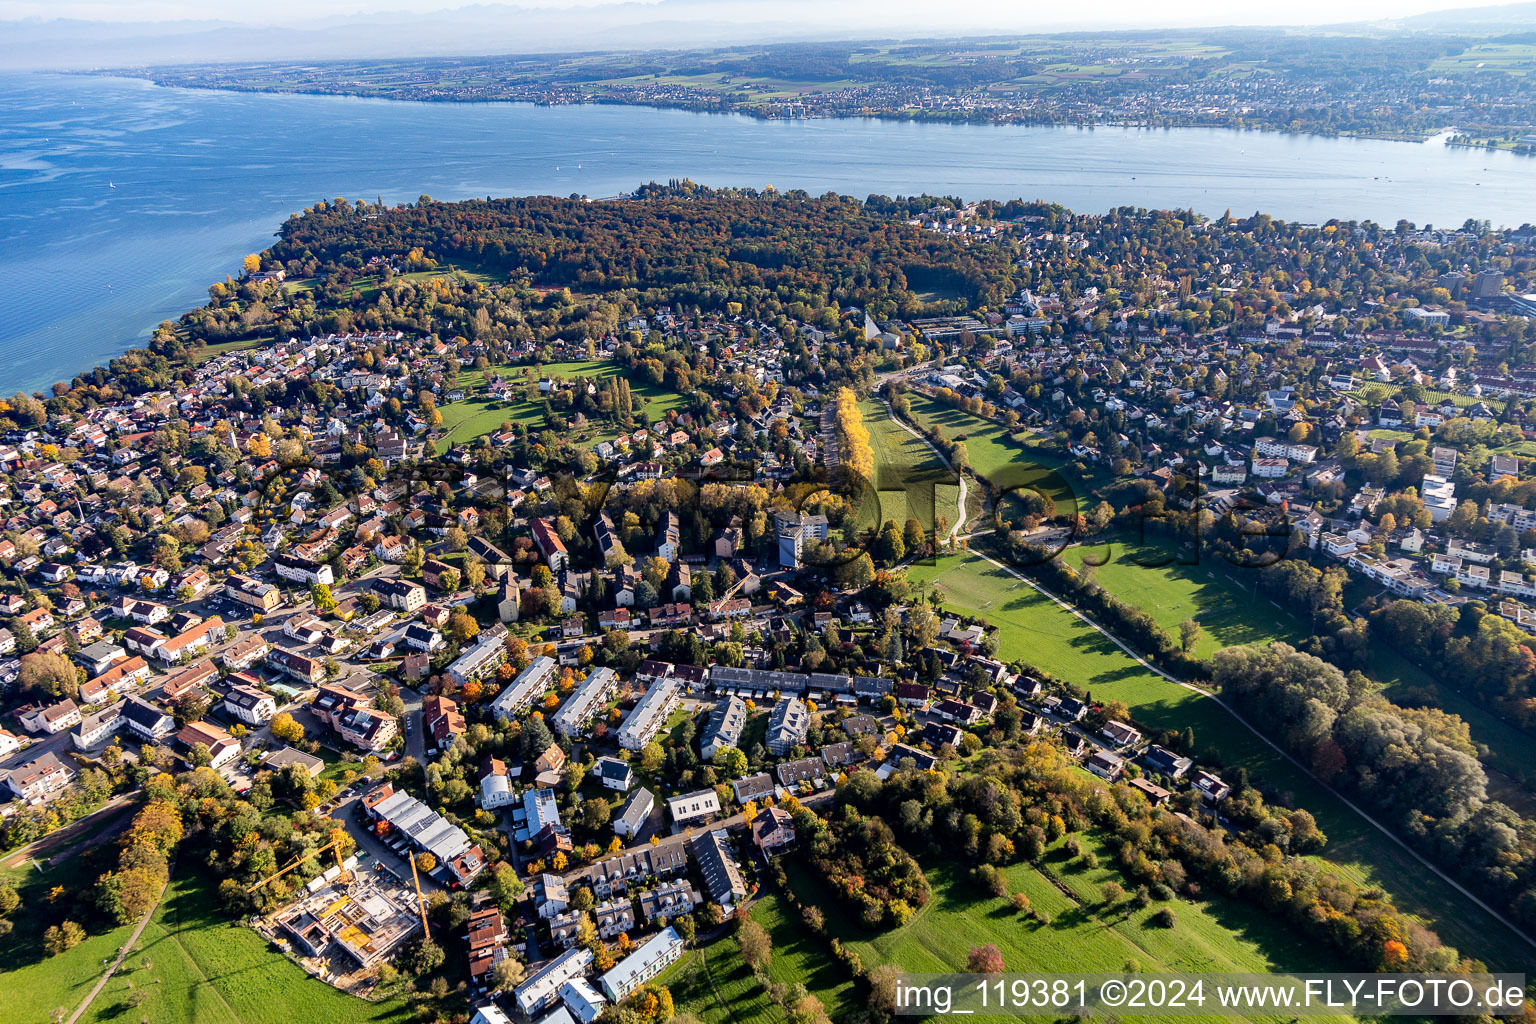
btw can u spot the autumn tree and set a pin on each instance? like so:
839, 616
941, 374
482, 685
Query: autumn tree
756, 946
45, 673
1189, 635
984, 960
62, 937
286, 729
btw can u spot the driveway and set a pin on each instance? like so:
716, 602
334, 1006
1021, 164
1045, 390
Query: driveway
415, 743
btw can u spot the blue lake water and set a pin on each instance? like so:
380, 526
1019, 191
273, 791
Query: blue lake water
202, 178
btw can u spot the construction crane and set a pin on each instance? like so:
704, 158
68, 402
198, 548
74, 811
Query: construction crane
732, 592
421, 903
334, 845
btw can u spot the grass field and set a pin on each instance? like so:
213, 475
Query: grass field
1037, 631
1511, 756
800, 956
1084, 935
474, 417
715, 984
1229, 614
194, 966
905, 468
38, 984
1214, 594
219, 348
1008, 463
367, 288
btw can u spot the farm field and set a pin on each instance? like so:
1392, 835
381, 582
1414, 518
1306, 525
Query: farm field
1437, 396
194, 966
1510, 58
1037, 631
904, 469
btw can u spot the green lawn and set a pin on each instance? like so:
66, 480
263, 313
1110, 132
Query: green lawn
1207, 592
475, 416
194, 965
219, 348
1037, 631
715, 984
1511, 756
905, 468
1215, 595
1083, 936
1011, 461
39, 984
800, 956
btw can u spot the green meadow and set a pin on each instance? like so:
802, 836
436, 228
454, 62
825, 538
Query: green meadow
1036, 630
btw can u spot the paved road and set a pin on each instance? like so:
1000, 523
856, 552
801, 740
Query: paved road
73, 831
58, 743
415, 742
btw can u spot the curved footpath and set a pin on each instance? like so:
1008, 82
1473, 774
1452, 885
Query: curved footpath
1447, 879
954, 531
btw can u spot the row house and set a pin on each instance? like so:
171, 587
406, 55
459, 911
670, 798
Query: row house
668, 901
665, 860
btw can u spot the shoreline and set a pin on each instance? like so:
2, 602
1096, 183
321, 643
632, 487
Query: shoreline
903, 116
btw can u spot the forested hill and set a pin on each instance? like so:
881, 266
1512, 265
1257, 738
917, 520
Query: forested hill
698, 246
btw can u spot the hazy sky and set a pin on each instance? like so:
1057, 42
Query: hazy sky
1009, 14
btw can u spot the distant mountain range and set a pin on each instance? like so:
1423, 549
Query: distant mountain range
1475, 19
502, 28
478, 30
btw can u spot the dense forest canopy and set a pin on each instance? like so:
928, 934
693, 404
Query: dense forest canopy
694, 245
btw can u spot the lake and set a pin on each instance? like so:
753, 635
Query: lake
202, 178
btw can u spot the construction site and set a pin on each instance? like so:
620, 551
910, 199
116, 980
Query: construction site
353, 922
345, 922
